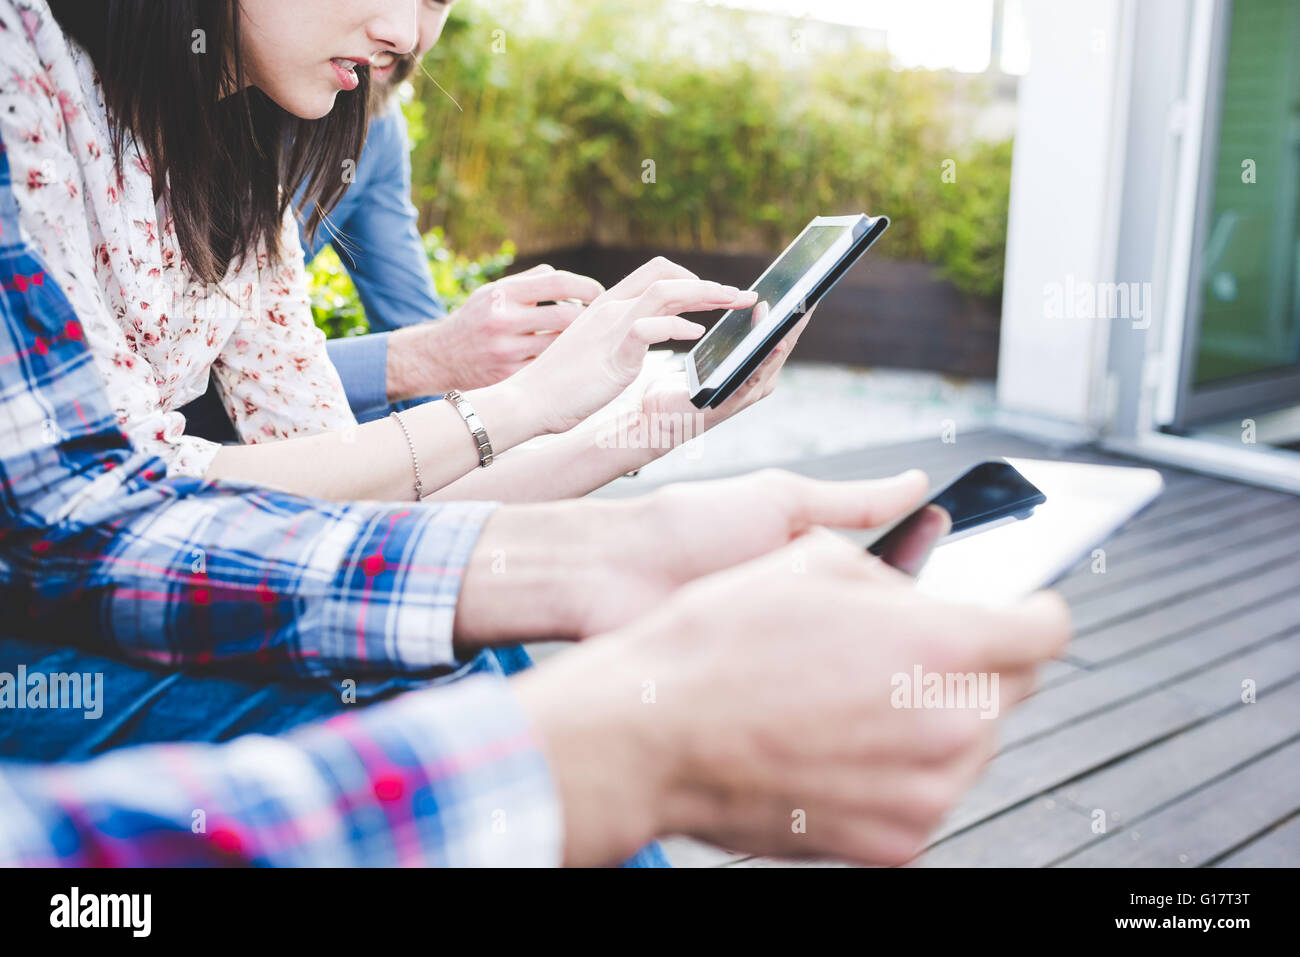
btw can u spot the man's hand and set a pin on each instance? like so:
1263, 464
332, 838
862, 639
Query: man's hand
685, 531
757, 709
573, 569
498, 331
669, 396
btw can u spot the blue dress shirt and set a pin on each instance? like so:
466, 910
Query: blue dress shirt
374, 231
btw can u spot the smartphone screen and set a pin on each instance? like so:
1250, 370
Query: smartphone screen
987, 493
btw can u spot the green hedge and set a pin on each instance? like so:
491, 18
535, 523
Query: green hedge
337, 309
556, 128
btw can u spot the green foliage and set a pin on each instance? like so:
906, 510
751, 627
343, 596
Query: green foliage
337, 309
455, 275
334, 302
558, 126
966, 230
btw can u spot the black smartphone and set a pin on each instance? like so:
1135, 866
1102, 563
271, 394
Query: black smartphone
987, 494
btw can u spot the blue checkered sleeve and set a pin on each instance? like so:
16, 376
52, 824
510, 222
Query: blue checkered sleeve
98, 547
446, 777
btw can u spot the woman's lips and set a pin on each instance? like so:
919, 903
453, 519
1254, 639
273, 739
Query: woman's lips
346, 71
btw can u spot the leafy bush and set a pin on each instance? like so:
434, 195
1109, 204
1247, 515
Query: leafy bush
337, 309
557, 129
966, 230
334, 302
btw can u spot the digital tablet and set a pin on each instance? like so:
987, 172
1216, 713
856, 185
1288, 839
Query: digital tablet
1002, 561
808, 269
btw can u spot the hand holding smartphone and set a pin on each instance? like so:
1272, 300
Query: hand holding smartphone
1017, 526
989, 493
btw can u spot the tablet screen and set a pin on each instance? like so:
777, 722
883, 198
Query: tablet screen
787, 279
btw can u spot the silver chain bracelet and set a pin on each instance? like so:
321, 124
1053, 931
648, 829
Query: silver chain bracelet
415, 461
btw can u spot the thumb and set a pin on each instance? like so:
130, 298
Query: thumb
537, 270
857, 504
647, 331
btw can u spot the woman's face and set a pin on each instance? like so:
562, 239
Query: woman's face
303, 53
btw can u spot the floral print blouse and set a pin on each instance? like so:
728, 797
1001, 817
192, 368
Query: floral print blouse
155, 331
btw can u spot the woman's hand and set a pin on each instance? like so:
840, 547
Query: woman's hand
602, 352
668, 396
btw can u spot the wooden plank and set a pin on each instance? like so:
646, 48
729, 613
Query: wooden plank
1022, 771
1206, 573
1028, 835
970, 447
1173, 502
1179, 498
1168, 566
976, 447
1277, 847
1215, 549
1131, 789
1255, 588
941, 461
1195, 830
1089, 692
1220, 687
1051, 826
1193, 514
1056, 671
1139, 551
1173, 506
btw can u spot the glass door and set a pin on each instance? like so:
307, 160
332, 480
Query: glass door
1241, 352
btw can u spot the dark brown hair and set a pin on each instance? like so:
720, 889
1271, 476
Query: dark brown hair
234, 160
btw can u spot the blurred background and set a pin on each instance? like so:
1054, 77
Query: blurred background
602, 134
1023, 149
595, 136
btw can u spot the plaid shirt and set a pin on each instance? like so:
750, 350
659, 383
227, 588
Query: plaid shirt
445, 777
97, 546
96, 543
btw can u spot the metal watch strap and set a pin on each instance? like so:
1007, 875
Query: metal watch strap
462, 405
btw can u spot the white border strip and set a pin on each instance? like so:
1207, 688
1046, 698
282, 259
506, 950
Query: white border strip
1186, 199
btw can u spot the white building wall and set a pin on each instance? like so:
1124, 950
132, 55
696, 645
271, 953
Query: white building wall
1066, 191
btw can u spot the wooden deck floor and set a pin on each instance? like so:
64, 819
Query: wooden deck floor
1142, 725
